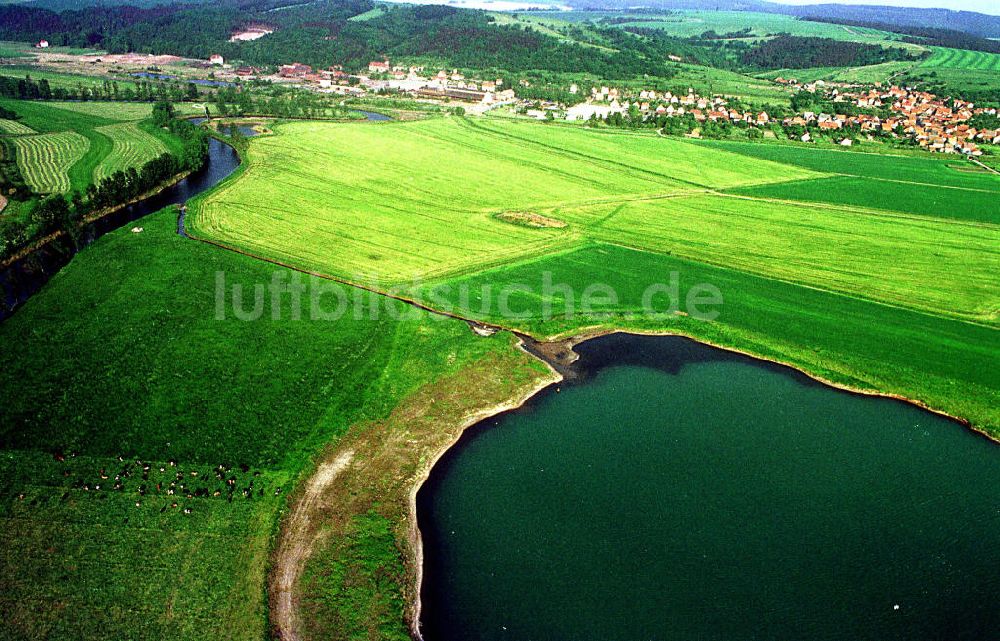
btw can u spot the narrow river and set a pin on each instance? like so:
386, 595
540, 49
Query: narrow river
22, 279
675, 491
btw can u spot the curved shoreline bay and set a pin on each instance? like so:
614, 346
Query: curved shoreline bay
672, 490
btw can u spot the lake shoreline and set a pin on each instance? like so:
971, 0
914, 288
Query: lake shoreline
559, 356
478, 416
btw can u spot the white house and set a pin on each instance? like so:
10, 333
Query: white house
42, 44
216, 59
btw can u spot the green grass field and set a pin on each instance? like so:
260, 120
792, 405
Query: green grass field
83, 142
637, 190
314, 185
45, 159
354, 202
132, 147
165, 381
962, 59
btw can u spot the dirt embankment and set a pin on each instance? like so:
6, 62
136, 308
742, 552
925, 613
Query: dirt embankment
298, 537
379, 466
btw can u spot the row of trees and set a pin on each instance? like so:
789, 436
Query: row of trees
28, 88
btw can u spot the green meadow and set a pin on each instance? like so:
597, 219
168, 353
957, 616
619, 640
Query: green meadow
687, 24
363, 203
943, 57
945, 363
81, 143
122, 362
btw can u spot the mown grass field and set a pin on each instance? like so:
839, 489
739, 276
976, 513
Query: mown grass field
123, 355
686, 24
962, 59
45, 159
132, 147
362, 203
80, 143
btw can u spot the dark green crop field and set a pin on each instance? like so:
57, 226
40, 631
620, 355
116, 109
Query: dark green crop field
924, 200
949, 172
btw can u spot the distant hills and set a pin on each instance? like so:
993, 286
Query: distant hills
979, 24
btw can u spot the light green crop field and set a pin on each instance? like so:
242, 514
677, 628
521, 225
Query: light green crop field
643, 191
962, 59
14, 127
45, 159
168, 384
401, 202
133, 147
685, 24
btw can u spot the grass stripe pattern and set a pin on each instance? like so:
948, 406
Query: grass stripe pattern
45, 160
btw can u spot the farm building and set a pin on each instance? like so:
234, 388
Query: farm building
216, 59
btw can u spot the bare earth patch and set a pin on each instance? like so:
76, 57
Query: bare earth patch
530, 219
298, 537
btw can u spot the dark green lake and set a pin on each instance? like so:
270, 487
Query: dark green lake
679, 492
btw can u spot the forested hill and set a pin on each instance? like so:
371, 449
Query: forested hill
321, 34
793, 52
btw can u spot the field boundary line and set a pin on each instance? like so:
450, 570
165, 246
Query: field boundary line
917, 310
853, 209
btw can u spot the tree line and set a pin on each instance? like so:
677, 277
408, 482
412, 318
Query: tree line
28, 88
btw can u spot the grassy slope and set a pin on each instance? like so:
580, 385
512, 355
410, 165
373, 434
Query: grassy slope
133, 362
432, 220
685, 24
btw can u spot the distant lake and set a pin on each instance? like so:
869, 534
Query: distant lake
679, 492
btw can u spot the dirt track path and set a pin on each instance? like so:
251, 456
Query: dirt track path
296, 544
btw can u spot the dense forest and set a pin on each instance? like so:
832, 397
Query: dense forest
794, 52
321, 34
